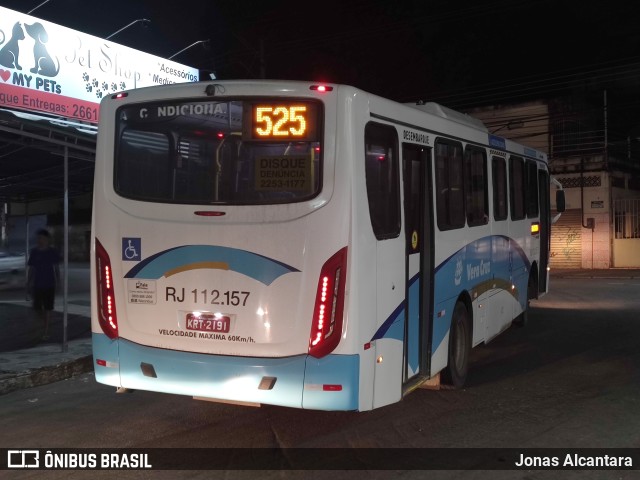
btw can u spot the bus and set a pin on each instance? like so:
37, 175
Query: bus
305, 245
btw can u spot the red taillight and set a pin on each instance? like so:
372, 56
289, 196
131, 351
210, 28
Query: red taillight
105, 293
328, 309
332, 388
119, 95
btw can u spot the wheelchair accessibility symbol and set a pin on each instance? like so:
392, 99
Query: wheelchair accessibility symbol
131, 249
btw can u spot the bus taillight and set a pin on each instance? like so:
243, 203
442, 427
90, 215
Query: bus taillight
105, 293
329, 307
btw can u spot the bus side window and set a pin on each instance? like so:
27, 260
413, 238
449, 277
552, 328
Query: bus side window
532, 189
517, 187
475, 186
381, 173
500, 206
449, 185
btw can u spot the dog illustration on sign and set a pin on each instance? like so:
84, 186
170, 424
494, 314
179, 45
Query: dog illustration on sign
43, 62
11, 51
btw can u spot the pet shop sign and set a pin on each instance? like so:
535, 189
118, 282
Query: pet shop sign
49, 68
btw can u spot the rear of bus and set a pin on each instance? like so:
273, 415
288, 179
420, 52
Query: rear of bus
219, 256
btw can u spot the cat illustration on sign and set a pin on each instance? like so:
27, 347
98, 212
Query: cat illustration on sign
43, 62
11, 51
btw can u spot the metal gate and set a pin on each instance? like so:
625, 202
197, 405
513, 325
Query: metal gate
626, 239
566, 241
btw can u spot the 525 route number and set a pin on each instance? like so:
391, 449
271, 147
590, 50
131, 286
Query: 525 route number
281, 121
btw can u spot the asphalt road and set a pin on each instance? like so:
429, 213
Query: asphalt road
570, 379
21, 327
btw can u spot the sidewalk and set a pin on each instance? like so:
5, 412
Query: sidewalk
610, 273
26, 360
43, 364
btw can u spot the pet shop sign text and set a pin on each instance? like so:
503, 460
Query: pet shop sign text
51, 68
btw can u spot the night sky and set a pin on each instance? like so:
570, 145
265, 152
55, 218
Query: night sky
460, 53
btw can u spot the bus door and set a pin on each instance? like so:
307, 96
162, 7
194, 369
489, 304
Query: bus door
545, 226
419, 260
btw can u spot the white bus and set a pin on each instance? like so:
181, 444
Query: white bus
305, 245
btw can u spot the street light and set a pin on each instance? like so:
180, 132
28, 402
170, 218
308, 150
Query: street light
145, 23
205, 44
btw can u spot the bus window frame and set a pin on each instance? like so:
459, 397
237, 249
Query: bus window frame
120, 128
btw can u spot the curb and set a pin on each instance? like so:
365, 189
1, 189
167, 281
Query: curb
46, 375
593, 277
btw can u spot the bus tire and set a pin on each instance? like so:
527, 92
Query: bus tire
459, 347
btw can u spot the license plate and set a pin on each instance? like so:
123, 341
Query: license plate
208, 322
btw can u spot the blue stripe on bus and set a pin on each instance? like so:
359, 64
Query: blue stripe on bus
479, 261
106, 350
393, 326
342, 370
253, 265
513, 245
299, 379
463, 271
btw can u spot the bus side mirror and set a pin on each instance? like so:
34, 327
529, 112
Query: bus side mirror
560, 206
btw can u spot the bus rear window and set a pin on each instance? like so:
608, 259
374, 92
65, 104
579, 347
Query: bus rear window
212, 152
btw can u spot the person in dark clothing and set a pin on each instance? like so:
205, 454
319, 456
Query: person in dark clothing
43, 277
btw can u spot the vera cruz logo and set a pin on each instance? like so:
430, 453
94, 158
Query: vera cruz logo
458, 274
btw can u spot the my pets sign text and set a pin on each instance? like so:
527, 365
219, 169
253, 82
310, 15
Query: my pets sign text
50, 68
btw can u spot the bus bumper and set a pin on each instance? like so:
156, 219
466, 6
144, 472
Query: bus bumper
301, 381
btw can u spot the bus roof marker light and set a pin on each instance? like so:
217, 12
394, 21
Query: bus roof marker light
209, 213
119, 95
321, 88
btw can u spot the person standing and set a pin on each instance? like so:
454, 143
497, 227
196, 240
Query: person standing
43, 277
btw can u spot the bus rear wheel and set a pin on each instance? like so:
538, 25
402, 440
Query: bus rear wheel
459, 347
